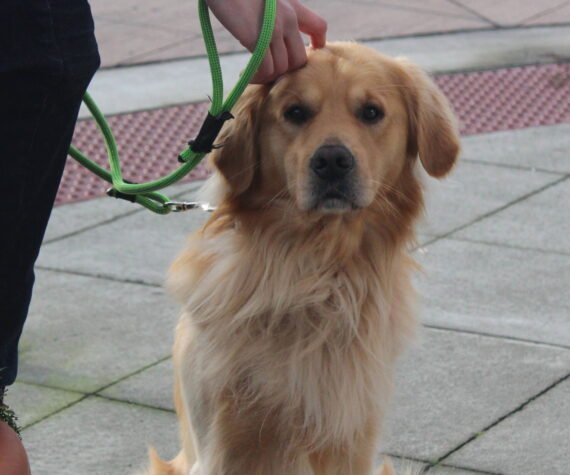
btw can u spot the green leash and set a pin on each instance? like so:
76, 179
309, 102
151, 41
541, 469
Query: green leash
146, 194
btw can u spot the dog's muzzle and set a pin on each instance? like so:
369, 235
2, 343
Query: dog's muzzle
333, 178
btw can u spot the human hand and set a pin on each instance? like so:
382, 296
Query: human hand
243, 19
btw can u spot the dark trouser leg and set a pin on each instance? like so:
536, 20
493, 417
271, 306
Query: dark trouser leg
50, 57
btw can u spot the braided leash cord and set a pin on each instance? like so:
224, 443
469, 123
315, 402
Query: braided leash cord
146, 194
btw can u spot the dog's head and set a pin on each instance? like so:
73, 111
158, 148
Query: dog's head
336, 134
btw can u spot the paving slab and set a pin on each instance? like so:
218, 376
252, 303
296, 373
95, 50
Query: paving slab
118, 42
555, 15
75, 217
99, 437
496, 290
83, 333
534, 440
181, 81
31, 402
151, 387
539, 222
449, 387
509, 12
538, 148
473, 190
452, 385
120, 26
365, 20
440, 7
138, 247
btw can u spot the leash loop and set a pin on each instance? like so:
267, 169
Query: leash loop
146, 194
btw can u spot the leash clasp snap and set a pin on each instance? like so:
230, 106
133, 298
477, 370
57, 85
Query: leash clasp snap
179, 206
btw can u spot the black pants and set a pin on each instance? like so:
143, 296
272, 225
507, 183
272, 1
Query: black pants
48, 55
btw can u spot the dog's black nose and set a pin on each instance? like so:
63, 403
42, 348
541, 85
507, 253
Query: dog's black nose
332, 162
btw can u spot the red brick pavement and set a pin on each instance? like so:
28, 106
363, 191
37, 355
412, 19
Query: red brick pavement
488, 101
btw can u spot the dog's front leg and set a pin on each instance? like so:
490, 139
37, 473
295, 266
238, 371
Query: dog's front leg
243, 439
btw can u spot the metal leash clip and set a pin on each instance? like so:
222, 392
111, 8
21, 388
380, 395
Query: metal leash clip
178, 206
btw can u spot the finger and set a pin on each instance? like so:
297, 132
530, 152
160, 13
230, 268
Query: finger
312, 24
264, 73
280, 57
296, 52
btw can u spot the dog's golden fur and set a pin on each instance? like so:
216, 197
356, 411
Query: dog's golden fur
295, 306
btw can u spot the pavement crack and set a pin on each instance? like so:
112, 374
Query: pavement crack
544, 12
499, 337
517, 409
106, 277
496, 210
88, 394
134, 403
91, 226
509, 246
475, 13
427, 465
134, 373
526, 168
193, 186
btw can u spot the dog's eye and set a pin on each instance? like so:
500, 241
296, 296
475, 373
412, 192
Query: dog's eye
297, 114
371, 114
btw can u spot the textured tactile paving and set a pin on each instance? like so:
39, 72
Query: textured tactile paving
487, 101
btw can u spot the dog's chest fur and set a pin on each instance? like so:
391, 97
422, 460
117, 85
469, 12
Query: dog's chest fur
289, 325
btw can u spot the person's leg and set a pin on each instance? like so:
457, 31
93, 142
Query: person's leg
13, 457
47, 59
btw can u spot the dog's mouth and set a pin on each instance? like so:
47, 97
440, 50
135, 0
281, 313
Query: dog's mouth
335, 201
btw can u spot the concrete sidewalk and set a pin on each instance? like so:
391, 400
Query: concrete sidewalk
486, 390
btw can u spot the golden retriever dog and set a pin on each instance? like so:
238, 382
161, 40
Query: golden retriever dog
296, 293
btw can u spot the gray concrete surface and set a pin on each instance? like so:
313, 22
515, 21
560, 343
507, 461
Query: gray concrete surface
541, 427
140, 87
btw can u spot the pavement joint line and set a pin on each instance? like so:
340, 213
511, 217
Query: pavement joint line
497, 210
510, 246
134, 403
498, 337
452, 32
113, 219
474, 470
109, 278
132, 59
475, 13
429, 464
57, 411
89, 393
92, 226
394, 6
134, 373
519, 408
545, 12
478, 161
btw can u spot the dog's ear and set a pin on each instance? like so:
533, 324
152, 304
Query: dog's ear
237, 157
433, 133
